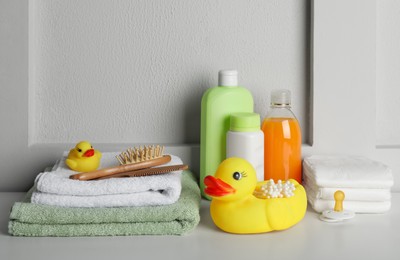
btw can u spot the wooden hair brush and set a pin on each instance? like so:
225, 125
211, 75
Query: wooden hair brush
134, 162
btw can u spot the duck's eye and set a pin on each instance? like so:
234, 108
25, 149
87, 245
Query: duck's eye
237, 175
79, 150
91, 147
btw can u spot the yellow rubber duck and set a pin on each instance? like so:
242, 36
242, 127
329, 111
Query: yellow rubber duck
235, 209
83, 158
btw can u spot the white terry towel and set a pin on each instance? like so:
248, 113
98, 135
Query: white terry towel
355, 206
58, 182
55, 188
145, 198
356, 194
347, 172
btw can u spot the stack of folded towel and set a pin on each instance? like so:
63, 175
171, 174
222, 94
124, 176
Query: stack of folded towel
166, 204
366, 183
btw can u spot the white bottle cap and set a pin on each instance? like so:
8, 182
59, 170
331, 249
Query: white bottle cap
280, 97
228, 78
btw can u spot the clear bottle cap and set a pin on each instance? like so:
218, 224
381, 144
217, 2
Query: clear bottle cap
228, 78
281, 97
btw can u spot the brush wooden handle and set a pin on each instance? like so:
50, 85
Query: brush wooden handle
147, 172
85, 176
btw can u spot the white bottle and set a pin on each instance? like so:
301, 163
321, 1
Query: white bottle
246, 140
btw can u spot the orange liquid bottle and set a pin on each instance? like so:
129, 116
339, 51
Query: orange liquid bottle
282, 140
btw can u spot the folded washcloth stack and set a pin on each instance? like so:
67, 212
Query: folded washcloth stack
165, 204
366, 183
57, 189
31, 219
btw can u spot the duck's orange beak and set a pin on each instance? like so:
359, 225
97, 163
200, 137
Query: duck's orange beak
217, 187
89, 153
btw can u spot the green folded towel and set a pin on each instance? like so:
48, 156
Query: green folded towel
28, 219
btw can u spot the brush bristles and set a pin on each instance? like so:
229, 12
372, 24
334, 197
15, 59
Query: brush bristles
135, 155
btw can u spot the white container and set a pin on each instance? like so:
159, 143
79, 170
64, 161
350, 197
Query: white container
246, 140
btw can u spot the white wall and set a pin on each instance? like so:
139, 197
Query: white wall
135, 71
125, 72
388, 73
354, 63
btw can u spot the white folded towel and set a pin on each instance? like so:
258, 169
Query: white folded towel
58, 182
356, 194
347, 172
355, 206
146, 198
55, 188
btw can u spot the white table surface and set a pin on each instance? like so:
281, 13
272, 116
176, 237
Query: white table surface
367, 236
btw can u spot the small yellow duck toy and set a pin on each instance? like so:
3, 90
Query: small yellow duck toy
83, 158
235, 209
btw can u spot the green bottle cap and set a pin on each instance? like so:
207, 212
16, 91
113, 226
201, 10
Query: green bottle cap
245, 122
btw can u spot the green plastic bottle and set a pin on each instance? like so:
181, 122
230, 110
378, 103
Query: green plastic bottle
217, 105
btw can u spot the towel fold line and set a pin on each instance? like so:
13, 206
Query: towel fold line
107, 229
